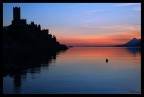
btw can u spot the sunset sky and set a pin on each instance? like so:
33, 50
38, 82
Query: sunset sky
82, 24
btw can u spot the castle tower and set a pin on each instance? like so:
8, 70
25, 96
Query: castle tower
17, 17
16, 13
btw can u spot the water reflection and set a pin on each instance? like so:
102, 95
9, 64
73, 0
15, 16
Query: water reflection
134, 51
79, 71
118, 57
18, 63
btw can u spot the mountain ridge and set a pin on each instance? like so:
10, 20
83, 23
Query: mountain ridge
134, 42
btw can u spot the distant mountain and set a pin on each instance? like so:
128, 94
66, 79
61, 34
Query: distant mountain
132, 43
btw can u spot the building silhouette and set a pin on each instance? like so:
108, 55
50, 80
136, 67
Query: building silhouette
16, 13
17, 17
22, 35
26, 47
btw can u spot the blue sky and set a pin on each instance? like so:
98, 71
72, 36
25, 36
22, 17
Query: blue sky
81, 21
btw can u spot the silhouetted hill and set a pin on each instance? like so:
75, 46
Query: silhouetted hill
132, 43
20, 35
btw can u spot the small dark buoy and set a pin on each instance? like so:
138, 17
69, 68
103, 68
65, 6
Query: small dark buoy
106, 60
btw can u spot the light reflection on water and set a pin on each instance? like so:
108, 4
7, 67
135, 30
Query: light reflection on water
81, 70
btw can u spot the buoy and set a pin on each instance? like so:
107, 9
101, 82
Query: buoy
106, 60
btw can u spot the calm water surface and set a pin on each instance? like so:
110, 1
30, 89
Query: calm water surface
79, 70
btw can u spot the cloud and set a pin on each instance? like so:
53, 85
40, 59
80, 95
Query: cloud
127, 4
109, 14
97, 10
110, 39
137, 9
124, 27
111, 29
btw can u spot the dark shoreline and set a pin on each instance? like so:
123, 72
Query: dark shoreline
106, 46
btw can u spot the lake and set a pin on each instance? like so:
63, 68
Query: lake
78, 70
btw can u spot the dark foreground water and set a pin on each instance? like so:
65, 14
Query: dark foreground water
79, 70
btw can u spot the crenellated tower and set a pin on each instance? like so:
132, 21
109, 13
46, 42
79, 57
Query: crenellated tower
16, 13
17, 17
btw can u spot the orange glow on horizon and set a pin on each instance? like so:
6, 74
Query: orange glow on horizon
99, 40
97, 35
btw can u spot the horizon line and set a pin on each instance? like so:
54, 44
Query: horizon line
103, 46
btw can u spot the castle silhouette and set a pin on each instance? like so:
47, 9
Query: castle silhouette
22, 35
27, 47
